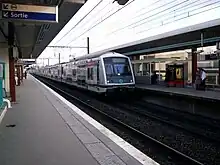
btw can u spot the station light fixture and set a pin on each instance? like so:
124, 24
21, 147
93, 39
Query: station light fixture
121, 2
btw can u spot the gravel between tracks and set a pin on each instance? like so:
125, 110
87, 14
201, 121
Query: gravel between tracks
198, 124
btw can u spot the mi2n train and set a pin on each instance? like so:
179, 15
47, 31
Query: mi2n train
101, 73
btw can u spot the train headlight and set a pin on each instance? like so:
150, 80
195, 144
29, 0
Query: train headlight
131, 80
108, 81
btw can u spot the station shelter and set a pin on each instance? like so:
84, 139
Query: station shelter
144, 68
180, 71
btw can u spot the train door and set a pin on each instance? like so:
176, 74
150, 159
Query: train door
90, 75
73, 68
61, 72
69, 72
97, 74
92, 72
74, 73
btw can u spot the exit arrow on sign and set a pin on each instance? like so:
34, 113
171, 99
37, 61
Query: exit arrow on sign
5, 6
5, 14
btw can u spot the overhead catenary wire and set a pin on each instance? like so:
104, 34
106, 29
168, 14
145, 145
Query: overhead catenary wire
177, 19
79, 21
100, 21
148, 16
200, 6
181, 9
141, 22
87, 22
96, 15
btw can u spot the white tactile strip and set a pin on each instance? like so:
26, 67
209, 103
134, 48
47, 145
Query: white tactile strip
2, 114
80, 128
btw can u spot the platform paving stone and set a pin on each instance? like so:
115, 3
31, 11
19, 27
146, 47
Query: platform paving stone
95, 141
87, 138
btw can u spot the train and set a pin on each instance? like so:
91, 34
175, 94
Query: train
102, 73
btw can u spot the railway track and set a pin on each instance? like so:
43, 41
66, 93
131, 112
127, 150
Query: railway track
183, 114
173, 156
193, 126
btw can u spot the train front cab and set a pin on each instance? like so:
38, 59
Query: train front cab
119, 77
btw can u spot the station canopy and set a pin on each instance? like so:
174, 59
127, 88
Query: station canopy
31, 37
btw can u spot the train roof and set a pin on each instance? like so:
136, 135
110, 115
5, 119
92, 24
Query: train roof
92, 55
88, 56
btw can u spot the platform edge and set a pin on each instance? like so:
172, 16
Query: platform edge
127, 147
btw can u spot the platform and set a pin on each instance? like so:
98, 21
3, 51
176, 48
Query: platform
49, 130
185, 92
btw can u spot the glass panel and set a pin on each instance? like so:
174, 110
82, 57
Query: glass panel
117, 66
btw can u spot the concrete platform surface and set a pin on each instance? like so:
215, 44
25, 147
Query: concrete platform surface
187, 92
47, 131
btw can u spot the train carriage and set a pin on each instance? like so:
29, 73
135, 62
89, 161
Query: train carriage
101, 73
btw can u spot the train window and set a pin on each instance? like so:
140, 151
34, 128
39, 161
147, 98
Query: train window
117, 66
109, 69
90, 73
121, 69
74, 72
64, 72
98, 73
61, 70
119, 60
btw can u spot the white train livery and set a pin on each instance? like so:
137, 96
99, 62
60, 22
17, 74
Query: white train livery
101, 73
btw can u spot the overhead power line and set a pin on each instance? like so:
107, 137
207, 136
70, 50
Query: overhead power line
100, 22
182, 8
79, 21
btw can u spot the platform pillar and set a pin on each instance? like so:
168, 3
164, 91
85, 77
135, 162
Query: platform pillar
18, 74
22, 70
11, 61
194, 64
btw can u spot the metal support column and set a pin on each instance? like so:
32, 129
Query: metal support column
88, 45
150, 69
218, 57
59, 58
159, 73
22, 75
142, 69
11, 61
19, 75
194, 64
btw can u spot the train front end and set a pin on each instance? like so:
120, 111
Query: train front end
119, 76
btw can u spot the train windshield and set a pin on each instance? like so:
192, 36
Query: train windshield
117, 66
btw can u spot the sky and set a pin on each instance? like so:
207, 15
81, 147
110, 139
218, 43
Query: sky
110, 25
